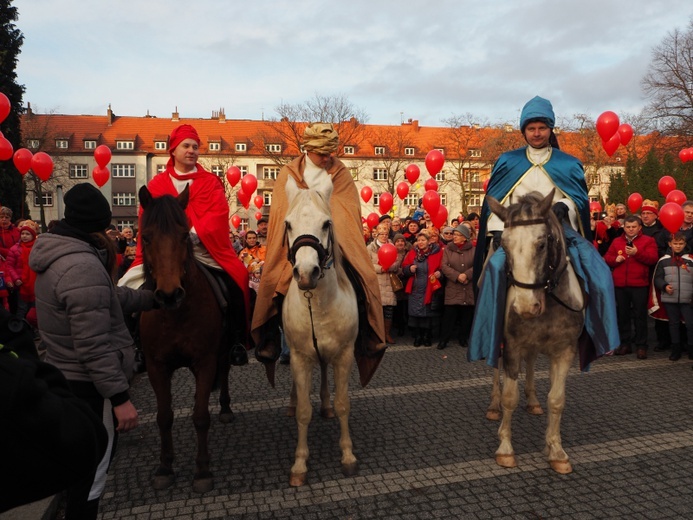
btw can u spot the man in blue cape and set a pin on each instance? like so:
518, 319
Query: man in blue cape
541, 167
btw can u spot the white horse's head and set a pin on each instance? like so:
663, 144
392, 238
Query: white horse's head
309, 233
529, 245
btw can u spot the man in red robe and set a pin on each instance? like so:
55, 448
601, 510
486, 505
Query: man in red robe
208, 215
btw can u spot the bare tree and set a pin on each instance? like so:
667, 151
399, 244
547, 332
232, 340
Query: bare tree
392, 161
669, 83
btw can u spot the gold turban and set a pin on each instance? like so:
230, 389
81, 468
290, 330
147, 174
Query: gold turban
320, 138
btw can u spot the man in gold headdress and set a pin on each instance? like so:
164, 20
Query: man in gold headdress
315, 166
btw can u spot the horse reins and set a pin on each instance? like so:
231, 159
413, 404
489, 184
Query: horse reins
555, 271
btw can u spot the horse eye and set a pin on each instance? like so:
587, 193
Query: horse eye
326, 225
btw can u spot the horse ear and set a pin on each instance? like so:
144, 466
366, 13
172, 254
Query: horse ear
547, 202
184, 197
145, 197
497, 208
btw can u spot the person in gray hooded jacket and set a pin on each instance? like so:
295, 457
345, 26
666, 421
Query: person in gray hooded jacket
80, 317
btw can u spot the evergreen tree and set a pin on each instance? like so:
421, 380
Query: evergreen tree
11, 39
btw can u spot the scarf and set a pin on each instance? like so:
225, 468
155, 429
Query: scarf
422, 255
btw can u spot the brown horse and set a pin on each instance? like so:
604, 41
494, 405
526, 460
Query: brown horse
186, 331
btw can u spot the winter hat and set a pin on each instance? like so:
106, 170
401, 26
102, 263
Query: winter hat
650, 205
27, 226
537, 109
463, 230
398, 236
86, 208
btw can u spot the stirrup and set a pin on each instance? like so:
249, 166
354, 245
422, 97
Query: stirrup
238, 356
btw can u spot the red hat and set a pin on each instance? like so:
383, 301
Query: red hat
28, 228
180, 134
650, 205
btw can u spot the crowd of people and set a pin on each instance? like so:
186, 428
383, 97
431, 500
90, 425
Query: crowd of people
76, 283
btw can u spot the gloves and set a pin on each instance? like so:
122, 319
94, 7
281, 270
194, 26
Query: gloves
496, 239
561, 211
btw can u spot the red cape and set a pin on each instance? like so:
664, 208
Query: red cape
208, 213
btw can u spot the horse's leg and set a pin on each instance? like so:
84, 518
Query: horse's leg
301, 371
493, 412
533, 405
505, 456
558, 458
342, 405
204, 379
225, 413
326, 410
160, 379
291, 409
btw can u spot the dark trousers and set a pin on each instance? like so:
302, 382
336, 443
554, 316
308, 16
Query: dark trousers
457, 315
676, 312
635, 297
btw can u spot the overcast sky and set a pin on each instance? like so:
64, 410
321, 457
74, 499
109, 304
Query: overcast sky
395, 59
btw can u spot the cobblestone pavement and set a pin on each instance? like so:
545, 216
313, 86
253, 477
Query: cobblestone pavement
425, 449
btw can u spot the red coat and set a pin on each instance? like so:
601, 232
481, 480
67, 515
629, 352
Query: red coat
635, 270
8, 238
434, 260
208, 213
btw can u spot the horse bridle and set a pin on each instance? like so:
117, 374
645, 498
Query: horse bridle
556, 266
325, 254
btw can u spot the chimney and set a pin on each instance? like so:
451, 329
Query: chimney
222, 116
29, 112
415, 125
174, 116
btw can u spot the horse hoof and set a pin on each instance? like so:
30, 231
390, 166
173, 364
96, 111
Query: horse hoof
535, 409
297, 479
226, 417
291, 411
506, 461
160, 482
493, 415
349, 470
203, 485
561, 466
327, 413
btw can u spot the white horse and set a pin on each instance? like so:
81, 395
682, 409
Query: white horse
544, 313
320, 319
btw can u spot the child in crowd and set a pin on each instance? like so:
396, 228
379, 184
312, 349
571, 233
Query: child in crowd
19, 274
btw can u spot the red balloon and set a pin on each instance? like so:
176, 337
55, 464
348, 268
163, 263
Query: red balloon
431, 184
441, 217
385, 202
236, 221
595, 207
625, 131
42, 164
671, 216
412, 173
258, 201
22, 160
258, 215
676, 196
249, 184
6, 149
373, 219
486, 184
244, 198
431, 202
402, 190
434, 161
686, 154
666, 184
100, 174
102, 155
607, 125
387, 254
233, 175
634, 202
612, 144
5, 107
366, 193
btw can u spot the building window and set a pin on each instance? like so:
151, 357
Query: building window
411, 200
33, 143
475, 153
79, 171
409, 150
376, 199
273, 148
509, 128
593, 179
472, 176
214, 147
124, 199
241, 147
379, 174
160, 168
125, 223
440, 177
244, 169
89, 145
270, 172
47, 198
123, 170
348, 150
267, 198
474, 200
160, 145
441, 150
61, 143
218, 170
379, 150
354, 173
125, 145
443, 199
